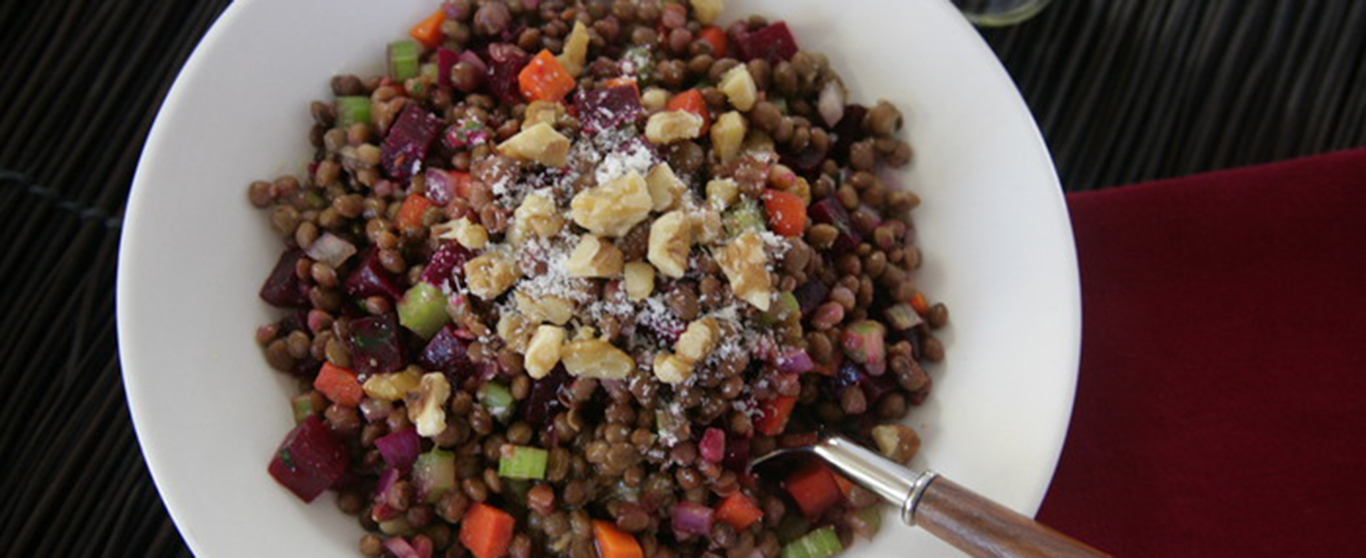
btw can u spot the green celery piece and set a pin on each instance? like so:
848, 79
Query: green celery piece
304, 407
741, 217
353, 110
434, 474
872, 517
786, 310
821, 543
497, 399
423, 309
403, 60
642, 60
429, 70
522, 462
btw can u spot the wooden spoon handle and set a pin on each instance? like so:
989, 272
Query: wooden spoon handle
981, 527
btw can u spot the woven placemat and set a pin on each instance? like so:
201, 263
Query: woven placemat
1125, 90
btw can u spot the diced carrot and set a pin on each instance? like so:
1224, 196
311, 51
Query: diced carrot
738, 511
692, 101
614, 543
845, 484
622, 81
773, 415
919, 303
410, 213
462, 183
814, 489
717, 37
786, 212
428, 31
545, 79
339, 384
486, 531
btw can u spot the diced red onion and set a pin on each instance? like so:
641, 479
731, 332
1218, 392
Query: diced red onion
400, 448
713, 445
831, 103
331, 250
469, 57
401, 549
692, 518
386, 481
795, 361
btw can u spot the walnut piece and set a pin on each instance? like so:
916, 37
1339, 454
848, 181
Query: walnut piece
596, 358
654, 99
575, 50
552, 309
670, 243
721, 192
727, 134
515, 330
594, 258
542, 112
639, 281
672, 369
468, 233
490, 275
543, 351
538, 143
707, 11
698, 339
746, 267
666, 189
739, 87
706, 226
427, 404
672, 125
612, 209
391, 386
537, 215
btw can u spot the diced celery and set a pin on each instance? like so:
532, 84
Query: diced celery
901, 316
497, 399
522, 462
403, 60
434, 474
423, 309
786, 310
871, 519
640, 62
821, 543
429, 70
741, 217
307, 405
352, 110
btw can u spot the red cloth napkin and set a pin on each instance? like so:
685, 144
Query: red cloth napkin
1221, 406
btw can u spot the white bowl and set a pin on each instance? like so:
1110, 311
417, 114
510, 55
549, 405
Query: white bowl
209, 412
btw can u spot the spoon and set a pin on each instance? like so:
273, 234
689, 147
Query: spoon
954, 514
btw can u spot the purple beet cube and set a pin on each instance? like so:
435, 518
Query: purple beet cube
371, 279
407, 142
310, 460
774, 43
507, 62
448, 260
375, 345
831, 212
449, 353
283, 288
604, 109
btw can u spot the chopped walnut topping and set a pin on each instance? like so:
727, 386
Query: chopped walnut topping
670, 243
721, 192
426, 405
542, 112
727, 134
575, 50
464, 231
543, 352
640, 281
613, 208
672, 369
539, 143
666, 190
739, 87
698, 340
552, 309
672, 125
746, 267
595, 358
490, 275
594, 258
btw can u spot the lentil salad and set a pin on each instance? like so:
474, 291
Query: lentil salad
560, 272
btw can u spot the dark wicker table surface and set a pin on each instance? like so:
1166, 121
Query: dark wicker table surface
1125, 91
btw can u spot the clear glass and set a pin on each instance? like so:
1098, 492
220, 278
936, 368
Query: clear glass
998, 13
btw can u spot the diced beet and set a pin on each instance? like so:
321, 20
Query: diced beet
810, 295
406, 145
448, 259
773, 43
506, 63
310, 460
544, 401
737, 454
807, 162
283, 288
848, 130
831, 212
604, 109
449, 353
445, 60
712, 447
440, 187
400, 448
375, 344
371, 279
